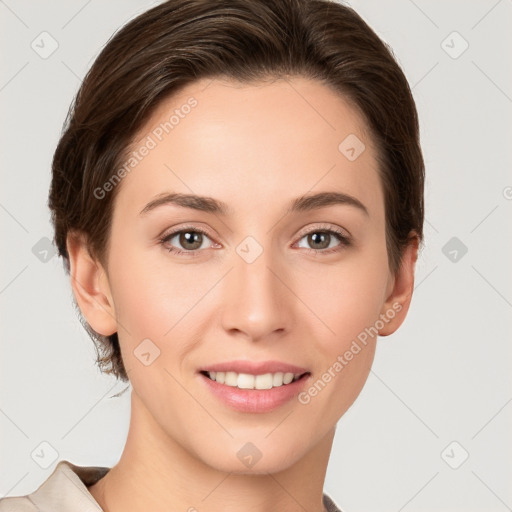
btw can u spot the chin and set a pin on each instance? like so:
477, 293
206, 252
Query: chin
247, 458
261, 467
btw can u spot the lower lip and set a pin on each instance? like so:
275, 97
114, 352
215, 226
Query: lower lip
255, 400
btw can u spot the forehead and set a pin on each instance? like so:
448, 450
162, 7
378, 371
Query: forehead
243, 143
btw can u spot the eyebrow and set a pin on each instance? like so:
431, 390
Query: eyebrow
210, 205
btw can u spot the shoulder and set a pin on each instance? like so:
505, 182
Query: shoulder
64, 490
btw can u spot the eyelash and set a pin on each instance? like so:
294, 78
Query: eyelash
345, 241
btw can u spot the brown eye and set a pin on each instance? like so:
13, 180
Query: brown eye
324, 241
319, 240
185, 241
191, 240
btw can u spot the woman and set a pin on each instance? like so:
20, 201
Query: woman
238, 199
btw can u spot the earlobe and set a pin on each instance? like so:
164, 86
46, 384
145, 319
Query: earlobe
90, 286
397, 304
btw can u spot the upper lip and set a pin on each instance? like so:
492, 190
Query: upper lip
253, 367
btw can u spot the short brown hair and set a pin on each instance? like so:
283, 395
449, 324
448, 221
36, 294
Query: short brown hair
181, 41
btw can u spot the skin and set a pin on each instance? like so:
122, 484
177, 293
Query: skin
255, 147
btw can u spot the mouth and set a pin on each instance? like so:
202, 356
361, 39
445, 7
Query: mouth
255, 382
256, 387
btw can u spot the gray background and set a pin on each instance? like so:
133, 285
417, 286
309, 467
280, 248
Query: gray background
440, 388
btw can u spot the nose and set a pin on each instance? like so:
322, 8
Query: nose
256, 303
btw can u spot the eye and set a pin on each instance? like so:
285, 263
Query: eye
324, 241
189, 239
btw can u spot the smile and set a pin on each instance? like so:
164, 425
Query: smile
249, 381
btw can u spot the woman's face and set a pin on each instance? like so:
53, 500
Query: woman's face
261, 281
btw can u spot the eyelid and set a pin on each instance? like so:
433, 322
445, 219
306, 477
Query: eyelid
344, 233
186, 227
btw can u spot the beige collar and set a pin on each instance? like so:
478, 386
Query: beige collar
66, 489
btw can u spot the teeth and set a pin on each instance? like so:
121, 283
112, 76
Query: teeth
248, 381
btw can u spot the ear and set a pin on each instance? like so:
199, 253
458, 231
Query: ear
399, 290
91, 287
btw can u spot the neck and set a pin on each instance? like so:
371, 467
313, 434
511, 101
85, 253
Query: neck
156, 472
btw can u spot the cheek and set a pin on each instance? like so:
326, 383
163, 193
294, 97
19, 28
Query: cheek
346, 301
151, 294
162, 301
346, 297
154, 304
